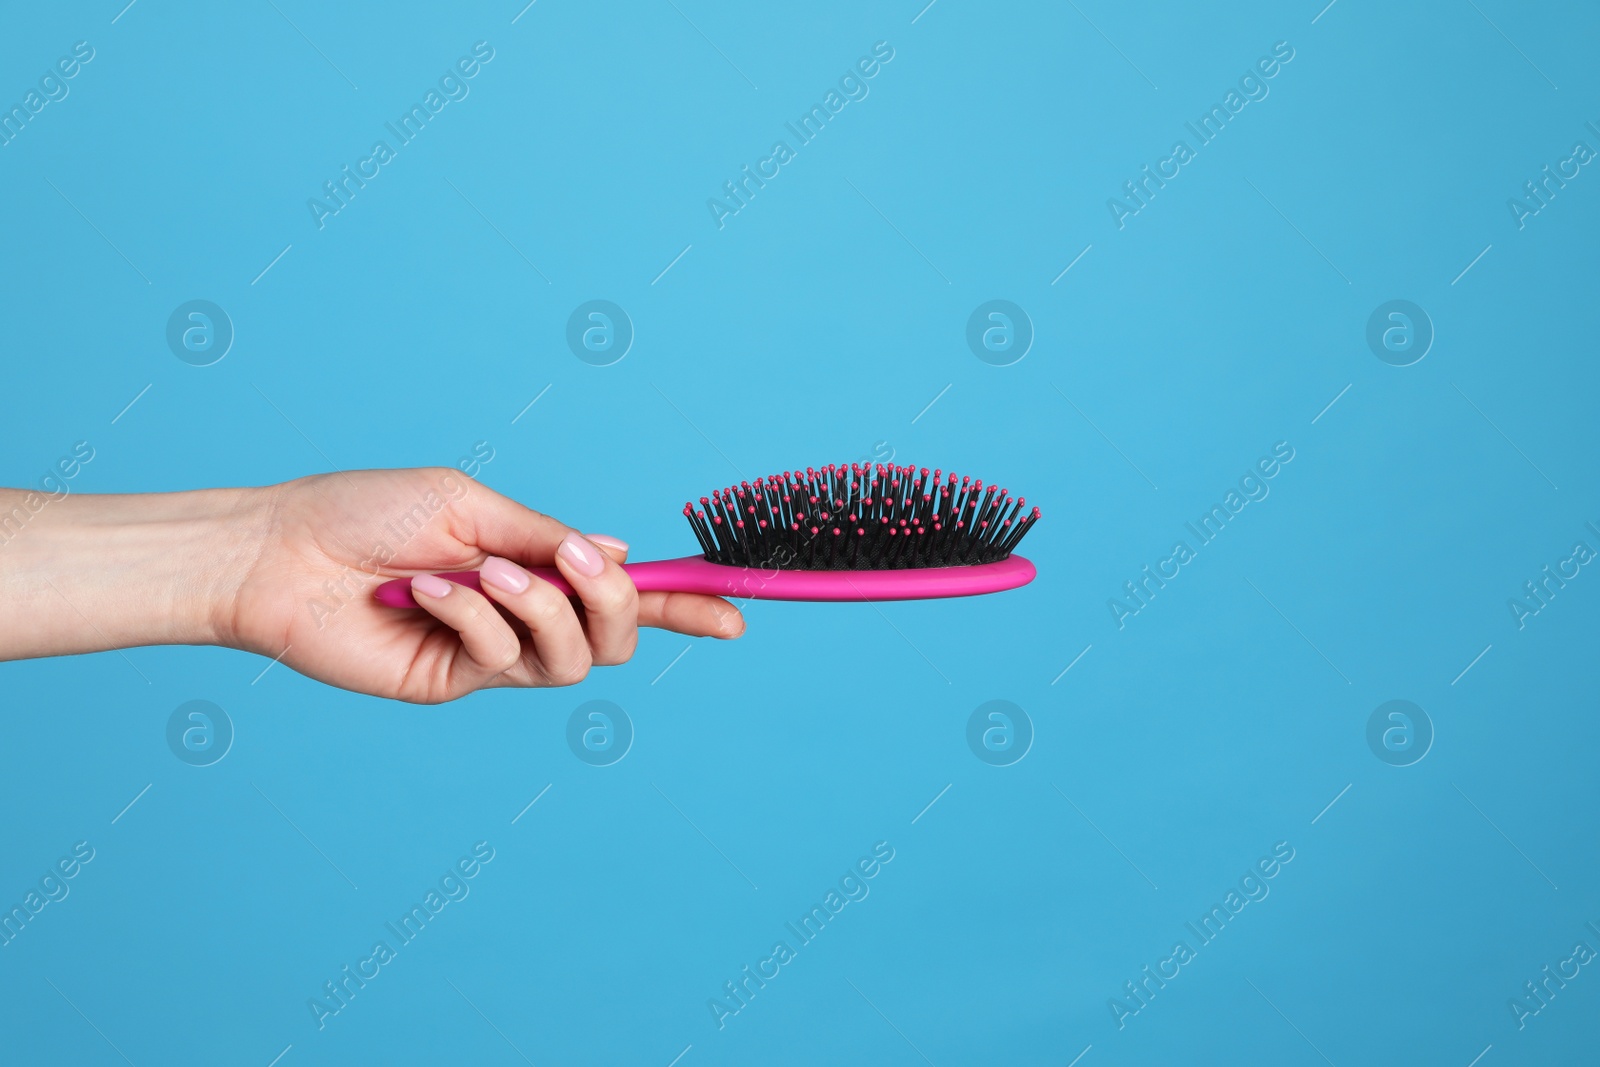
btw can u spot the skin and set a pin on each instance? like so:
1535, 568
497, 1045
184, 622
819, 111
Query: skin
287, 571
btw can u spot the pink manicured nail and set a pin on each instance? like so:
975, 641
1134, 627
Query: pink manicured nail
503, 575
583, 556
430, 585
608, 542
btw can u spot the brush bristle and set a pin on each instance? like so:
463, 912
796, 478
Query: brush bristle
859, 517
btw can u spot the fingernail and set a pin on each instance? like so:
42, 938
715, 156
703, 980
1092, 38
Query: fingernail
608, 542
734, 627
430, 585
583, 556
503, 575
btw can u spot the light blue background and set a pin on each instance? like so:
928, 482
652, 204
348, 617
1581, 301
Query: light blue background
816, 326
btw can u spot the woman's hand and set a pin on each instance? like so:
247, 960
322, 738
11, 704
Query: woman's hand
288, 572
331, 539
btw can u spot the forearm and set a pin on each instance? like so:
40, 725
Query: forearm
85, 573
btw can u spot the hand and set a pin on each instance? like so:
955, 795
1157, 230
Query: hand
327, 541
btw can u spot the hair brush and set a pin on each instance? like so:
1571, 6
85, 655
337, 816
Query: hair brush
861, 532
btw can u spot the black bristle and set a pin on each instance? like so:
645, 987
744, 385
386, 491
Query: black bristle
887, 517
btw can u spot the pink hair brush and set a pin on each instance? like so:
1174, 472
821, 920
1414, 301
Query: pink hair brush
840, 533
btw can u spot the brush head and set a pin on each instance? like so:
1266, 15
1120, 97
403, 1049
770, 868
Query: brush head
867, 517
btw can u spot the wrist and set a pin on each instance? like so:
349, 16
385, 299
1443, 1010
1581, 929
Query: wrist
223, 533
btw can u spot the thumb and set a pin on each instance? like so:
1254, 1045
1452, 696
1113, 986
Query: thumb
500, 526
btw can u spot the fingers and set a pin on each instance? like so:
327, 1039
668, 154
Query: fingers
685, 613
610, 602
691, 614
564, 646
490, 644
561, 649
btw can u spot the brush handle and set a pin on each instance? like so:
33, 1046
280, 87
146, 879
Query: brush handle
692, 574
